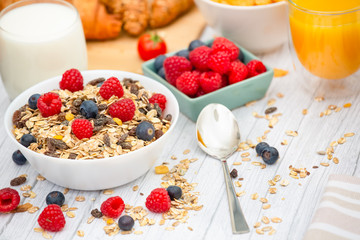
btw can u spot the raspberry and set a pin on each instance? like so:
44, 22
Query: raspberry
158, 201
199, 93
210, 81
49, 104
238, 72
82, 128
51, 218
223, 44
159, 99
123, 109
199, 57
9, 199
110, 87
255, 67
188, 83
174, 66
224, 81
219, 62
112, 207
72, 80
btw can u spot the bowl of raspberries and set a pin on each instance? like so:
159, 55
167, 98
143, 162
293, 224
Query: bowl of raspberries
92, 130
217, 71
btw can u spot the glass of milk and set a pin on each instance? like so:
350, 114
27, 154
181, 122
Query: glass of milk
39, 39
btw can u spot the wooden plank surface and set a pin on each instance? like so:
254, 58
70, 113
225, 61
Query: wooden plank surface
295, 204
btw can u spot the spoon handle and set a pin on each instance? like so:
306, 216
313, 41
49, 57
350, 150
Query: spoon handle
238, 221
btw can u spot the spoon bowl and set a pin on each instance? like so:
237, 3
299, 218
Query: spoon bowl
217, 134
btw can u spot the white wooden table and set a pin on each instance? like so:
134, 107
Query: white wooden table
295, 204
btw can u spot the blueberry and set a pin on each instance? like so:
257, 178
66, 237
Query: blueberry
27, 139
18, 158
194, 44
260, 147
55, 197
183, 53
241, 56
33, 101
145, 131
161, 73
100, 84
159, 61
89, 109
270, 155
210, 44
174, 192
126, 223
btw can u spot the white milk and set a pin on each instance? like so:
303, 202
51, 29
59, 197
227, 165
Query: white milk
39, 41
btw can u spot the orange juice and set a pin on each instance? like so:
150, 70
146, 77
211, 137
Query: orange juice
326, 36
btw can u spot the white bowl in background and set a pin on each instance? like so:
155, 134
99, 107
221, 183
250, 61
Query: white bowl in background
95, 174
258, 29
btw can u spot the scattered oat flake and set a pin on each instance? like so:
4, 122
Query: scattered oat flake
277, 178
248, 104
108, 191
38, 230
319, 99
80, 198
246, 159
33, 209
273, 121
321, 152
266, 206
341, 140
40, 178
254, 196
46, 235
324, 164
22, 208
265, 220
169, 228
25, 188
271, 102
173, 157
186, 151
349, 134
162, 222
263, 200
284, 142
280, 95
335, 160
66, 190
259, 231
245, 154
267, 228
272, 232
80, 233
138, 232
90, 219
304, 111
284, 182
190, 228
291, 133
347, 105
135, 188
272, 190
32, 195
237, 163
257, 224
70, 214
240, 194
238, 184
276, 220
280, 72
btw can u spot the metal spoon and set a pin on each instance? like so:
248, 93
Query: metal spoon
218, 135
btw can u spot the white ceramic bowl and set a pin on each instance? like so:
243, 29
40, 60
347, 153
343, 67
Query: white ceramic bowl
95, 174
258, 29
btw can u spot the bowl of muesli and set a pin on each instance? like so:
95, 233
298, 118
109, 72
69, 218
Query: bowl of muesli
103, 130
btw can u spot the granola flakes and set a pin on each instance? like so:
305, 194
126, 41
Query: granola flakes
54, 136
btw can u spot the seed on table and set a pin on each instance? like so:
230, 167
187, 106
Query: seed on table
246, 159
254, 196
280, 95
349, 134
40, 178
186, 151
324, 164
240, 194
277, 178
271, 183
66, 190
80, 198
284, 142
321, 152
284, 182
108, 191
341, 140
135, 188
304, 111
271, 102
259, 231
238, 184
263, 200
335, 160
338, 109
270, 110
276, 220
80, 233
267, 228
190, 228
266, 206
245, 154
265, 220
257, 224
272, 232
70, 214
319, 98
272, 190
237, 163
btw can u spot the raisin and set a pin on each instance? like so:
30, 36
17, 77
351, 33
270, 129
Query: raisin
96, 213
122, 138
125, 145
134, 89
65, 123
96, 81
102, 107
270, 110
16, 117
158, 133
51, 154
72, 156
61, 117
234, 173
132, 132
106, 140
18, 181
74, 110
168, 117
158, 109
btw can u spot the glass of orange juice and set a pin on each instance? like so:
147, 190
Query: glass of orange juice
325, 40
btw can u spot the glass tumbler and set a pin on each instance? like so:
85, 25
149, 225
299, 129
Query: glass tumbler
325, 44
39, 39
